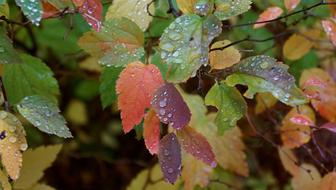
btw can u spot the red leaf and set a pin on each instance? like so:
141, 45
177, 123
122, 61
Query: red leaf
269, 14
197, 145
170, 106
49, 10
170, 157
329, 126
291, 4
135, 88
91, 10
330, 29
152, 132
300, 119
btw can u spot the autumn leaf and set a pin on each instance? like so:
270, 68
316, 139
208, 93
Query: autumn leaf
170, 157
226, 9
305, 180
197, 145
293, 134
151, 132
170, 106
329, 126
12, 143
264, 101
289, 161
270, 13
4, 183
91, 11
135, 87
186, 6
49, 10
329, 27
328, 182
221, 59
291, 4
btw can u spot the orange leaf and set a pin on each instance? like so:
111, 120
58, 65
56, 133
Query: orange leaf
330, 29
305, 180
291, 4
289, 161
328, 182
269, 14
49, 10
152, 132
221, 59
135, 88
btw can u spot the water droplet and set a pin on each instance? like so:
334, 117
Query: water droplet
170, 170
23, 147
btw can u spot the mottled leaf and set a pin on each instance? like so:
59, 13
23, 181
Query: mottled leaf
264, 102
8, 54
329, 126
151, 132
221, 59
135, 10
170, 106
306, 181
135, 87
269, 14
31, 78
291, 4
185, 45
44, 114
226, 9
91, 11
328, 182
32, 9
118, 43
197, 145
230, 104
329, 27
108, 80
264, 74
12, 143
170, 157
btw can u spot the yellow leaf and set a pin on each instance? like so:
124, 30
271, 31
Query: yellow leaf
12, 144
299, 44
264, 102
40, 186
90, 64
4, 181
76, 112
328, 182
305, 180
186, 6
34, 163
4, 10
289, 160
221, 59
135, 10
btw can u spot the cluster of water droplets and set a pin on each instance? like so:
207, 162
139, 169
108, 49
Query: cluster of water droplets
91, 12
202, 8
32, 9
164, 113
229, 8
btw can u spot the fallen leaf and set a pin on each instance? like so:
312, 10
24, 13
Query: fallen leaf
270, 13
221, 59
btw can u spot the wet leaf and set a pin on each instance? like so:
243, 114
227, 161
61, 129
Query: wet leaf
305, 180
264, 101
185, 45
301, 119
32, 78
32, 9
8, 54
230, 104
4, 183
294, 134
226, 9
170, 106
135, 87
151, 132
91, 11
329, 126
35, 161
269, 14
291, 4
118, 43
108, 81
329, 27
328, 182
264, 74
134, 10
221, 59
299, 45
44, 114
197, 145
289, 161
170, 157
12, 143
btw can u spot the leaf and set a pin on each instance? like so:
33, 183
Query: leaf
329, 27
299, 45
8, 54
170, 157
197, 145
170, 106
12, 143
108, 81
32, 9
328, 181
270, 13
289, 161
305, 180
226, 9
264, 102
91, 11
118, 43
332, 8
4, 183
185, 45
31, 78
44, 115
292, 134
4, 11
301, 119
135, 87
221, 59
35, 161
40, 186
151, 132
264, 74
186, 6
134, 10
329, 126
49, 10
230, 104
291, 4
319, 86
76, 112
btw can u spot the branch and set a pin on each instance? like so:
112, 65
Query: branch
6, 103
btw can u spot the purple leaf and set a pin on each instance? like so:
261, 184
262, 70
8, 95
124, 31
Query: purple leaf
329, 126
170, 106
170, 157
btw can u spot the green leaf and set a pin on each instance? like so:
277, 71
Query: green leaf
44, 115
2, 2
230, 104
263, 74
32, 9
31, 78
157, 61
118, 43
229, 8
108, 80
185, 45
8, 54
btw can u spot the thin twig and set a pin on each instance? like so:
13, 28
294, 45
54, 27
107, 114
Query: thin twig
6, 103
